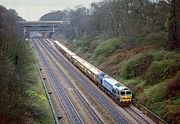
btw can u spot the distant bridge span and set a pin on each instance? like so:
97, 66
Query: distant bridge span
41, 26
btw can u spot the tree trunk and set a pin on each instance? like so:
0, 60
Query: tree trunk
174, 43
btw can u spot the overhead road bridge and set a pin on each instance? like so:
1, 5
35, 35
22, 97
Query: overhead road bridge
44, 27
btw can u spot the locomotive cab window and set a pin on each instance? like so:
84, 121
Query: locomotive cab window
128, 93
122, 93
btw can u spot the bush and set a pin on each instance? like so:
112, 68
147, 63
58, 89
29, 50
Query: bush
177, 75
158, 55
171, 107
164, 65
172, 55
14, 75
152, 94
80, 50
94, 44
108, 47
160, 70
81, 46
159, 38
135, 66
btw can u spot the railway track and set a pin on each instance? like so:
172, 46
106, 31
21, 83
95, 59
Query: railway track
132, 111
137, 116
115, 114
73, 115
96, 119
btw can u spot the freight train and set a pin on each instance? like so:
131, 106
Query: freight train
119, 92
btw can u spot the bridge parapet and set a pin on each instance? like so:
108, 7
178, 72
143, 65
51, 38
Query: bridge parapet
42, 23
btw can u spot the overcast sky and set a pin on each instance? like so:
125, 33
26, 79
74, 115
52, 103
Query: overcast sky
34, 9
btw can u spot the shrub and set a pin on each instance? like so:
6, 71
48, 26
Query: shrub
159, 38
177, 75
136, 66
14, 75
172, 55
100, 59
152, 94
80, 50
80, 46
160, 70
94, 44
158, 55
107, 47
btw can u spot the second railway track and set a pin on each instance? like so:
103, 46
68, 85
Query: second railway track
62, 95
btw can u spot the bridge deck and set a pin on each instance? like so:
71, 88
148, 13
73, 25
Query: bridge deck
42, 23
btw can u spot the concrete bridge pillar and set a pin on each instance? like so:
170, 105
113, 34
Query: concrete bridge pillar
25, 31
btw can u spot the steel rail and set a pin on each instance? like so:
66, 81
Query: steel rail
62, 95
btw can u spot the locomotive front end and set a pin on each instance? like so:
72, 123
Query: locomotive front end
126, 96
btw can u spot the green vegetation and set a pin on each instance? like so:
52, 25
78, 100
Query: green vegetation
38, 106
134, 41
136, 66
155, 65
22, 98
155, 84
107, 47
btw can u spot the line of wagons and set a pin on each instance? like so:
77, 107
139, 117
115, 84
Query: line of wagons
120, 93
